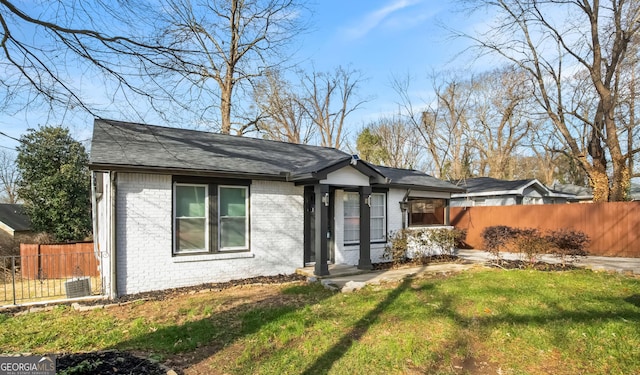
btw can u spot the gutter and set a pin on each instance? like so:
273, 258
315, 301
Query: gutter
113, 177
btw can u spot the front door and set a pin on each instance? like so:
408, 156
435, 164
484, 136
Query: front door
310, 227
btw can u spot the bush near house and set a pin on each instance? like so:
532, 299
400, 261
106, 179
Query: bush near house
531, 243
421, 245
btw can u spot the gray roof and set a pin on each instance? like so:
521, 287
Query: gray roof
15, 217
413, 178
120, 145
580, 192
488, 184
129, 145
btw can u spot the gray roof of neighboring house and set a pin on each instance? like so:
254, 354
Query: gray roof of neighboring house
489, 185
120, 145
15, 217
580, 192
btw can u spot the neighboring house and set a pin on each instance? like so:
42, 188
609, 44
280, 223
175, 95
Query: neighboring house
577, 194
487, 191
15, 226
176, 207
634, 192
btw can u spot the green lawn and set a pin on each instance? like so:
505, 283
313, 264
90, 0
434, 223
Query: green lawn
480, 321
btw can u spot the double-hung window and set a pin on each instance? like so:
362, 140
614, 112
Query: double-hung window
210, 217
233, 215
191, 218
378, 214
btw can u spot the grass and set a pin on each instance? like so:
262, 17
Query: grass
483, 321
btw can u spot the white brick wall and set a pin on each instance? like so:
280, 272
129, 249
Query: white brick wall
144, 225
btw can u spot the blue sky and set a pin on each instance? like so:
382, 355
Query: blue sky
380, 38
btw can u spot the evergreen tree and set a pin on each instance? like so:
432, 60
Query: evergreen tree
54, 183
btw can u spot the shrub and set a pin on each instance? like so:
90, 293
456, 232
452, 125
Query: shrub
530, 243
396, 249
446, 240
421, 244
498, 238
567, 244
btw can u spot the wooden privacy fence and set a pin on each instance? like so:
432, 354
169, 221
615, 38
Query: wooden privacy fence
613, 227
58, 261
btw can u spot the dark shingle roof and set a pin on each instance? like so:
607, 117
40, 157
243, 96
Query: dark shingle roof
120, 144
410, 177
14, 216
488, 184
131, 146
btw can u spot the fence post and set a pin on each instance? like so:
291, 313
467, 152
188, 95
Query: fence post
13, 277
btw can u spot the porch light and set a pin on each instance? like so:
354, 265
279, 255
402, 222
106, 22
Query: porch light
325, 199
367, 200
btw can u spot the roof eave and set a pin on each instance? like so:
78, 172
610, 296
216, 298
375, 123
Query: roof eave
186, 171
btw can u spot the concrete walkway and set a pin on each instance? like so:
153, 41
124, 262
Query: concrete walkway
349, 278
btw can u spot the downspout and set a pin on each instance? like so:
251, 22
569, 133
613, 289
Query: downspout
113, 248
94, 224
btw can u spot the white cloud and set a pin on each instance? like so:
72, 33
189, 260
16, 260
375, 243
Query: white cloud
375, 18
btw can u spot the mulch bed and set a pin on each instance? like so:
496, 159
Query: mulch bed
108, 362
538, 266
417, 262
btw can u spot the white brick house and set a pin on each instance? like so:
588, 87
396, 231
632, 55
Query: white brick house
176, 207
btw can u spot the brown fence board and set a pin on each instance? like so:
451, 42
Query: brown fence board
58, 261
613, 227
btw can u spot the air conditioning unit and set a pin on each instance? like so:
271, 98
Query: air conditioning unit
78, 287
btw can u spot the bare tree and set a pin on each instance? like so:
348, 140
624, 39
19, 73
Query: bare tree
8, 177
230, 43
328, 99
548, 38
443, 127
284, 117
46, 46
500, 124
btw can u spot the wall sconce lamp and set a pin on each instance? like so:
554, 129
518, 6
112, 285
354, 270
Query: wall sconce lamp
325, 199
367, 200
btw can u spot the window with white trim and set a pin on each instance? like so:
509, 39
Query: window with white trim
378, 217
233, 217
191, 218
378, 222
209, 218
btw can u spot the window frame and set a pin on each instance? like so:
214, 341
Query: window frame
446, 207
213, 227
176, 219
384, 238
245, 247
